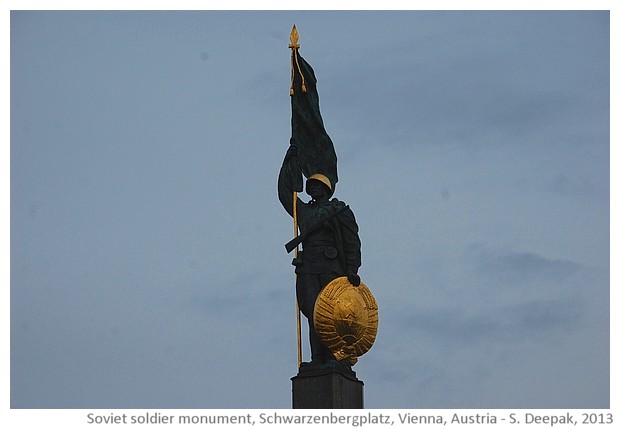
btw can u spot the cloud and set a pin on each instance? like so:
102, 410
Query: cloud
506, 268
510, 323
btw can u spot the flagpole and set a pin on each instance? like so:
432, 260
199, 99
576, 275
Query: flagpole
298, 317
294, 46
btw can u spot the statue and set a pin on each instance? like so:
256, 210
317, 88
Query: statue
331, 250
345, 325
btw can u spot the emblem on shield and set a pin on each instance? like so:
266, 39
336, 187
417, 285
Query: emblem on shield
346, 317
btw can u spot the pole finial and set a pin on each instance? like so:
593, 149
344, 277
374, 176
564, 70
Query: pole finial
294, 38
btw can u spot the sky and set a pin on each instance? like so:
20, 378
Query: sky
147, 261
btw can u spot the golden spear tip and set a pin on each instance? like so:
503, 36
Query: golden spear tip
294, 38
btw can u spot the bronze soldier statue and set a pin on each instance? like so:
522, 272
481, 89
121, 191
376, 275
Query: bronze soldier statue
341, 311
331, 244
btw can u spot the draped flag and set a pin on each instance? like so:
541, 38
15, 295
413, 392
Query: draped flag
316, 150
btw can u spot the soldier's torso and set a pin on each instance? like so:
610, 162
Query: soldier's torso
320, 249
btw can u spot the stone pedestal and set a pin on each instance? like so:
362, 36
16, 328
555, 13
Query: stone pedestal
329, 388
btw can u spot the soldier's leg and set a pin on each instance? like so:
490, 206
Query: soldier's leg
308, 289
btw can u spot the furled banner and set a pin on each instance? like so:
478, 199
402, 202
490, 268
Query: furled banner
316, 150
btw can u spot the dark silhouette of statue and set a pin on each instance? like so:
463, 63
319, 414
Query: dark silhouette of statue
328, 232
331, 245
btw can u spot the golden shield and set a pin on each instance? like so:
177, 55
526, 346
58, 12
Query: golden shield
346, 317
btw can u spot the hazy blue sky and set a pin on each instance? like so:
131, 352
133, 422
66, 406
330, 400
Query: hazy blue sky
148, 267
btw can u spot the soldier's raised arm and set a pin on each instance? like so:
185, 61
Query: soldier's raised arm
290, 179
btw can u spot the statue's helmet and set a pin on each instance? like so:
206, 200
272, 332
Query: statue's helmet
323, 179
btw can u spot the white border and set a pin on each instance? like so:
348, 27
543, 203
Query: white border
17, 419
